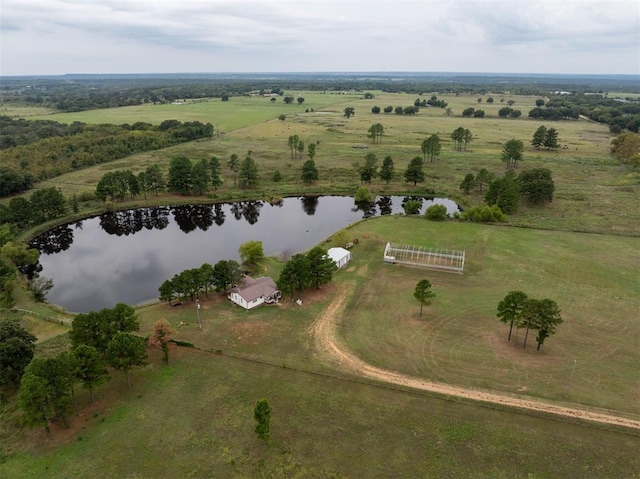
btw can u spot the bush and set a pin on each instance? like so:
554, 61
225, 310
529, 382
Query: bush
412, 207
363, 194
484, 214
436, 213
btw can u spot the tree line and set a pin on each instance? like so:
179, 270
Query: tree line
87, 145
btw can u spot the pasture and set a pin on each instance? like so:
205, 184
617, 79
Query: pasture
593, 192
194, 417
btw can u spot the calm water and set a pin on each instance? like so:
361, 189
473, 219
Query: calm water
125, 256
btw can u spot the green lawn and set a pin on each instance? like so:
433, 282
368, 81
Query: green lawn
195, 419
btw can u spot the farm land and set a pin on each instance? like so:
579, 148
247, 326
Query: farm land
582, 250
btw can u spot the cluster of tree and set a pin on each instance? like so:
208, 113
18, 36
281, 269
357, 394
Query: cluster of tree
13, 181
18, 131
509, 112
296, 146
407, 110
186, 177
225, 274
96, 144
545, 137
431, 147
541, 315
626, 148
535, 185
461, 138
98, 339
434, 101
42, 205
472, 112
302, 271
17, 256
484, 214
554, 113
375, 132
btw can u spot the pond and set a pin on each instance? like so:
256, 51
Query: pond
124, 256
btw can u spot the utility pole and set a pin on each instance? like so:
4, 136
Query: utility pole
198, 312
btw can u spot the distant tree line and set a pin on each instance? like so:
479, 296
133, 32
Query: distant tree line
87, 145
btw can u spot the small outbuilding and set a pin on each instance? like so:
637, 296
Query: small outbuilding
340, 256
254, 292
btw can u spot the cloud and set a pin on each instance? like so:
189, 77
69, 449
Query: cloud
286, 35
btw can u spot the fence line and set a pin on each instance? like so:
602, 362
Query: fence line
63, 322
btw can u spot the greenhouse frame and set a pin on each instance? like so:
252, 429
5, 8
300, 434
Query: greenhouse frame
440, 259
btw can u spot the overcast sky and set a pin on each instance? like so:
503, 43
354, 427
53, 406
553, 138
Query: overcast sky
171, 36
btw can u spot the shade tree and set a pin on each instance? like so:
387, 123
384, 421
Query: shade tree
17, 346
90, 367
387, 170
423, 293
124, 352
414, 172
536, 185
511, 153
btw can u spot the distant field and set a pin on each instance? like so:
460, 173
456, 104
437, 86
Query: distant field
593, 191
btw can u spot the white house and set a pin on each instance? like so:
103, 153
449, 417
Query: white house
254, 292
340, 256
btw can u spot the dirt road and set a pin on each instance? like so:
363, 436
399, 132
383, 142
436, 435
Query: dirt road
323, 331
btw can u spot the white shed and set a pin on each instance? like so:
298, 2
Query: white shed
340, 256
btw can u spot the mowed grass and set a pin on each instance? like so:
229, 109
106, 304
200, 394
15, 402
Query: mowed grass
593, 278
594, 193
194, 418
459, 340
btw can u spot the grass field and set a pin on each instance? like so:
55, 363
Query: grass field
593, 192
194, 418
321, 427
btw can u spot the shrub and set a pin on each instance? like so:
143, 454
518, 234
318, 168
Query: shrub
363, 194
484, 214
412, 207
436, 213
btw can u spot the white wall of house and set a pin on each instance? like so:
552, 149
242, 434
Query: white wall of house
240, 301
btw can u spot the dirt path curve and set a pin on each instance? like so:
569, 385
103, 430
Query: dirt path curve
324, 329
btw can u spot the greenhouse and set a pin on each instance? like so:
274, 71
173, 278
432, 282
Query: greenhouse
422, 257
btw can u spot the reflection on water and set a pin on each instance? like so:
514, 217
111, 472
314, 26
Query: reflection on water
124, 256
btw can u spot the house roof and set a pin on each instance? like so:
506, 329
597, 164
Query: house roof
251, 288
337, 254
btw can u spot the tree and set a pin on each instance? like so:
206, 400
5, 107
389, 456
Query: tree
375, 132
200, 177
17, 346
262, 415
288, 99
414, 172
49, 203
536, 185
349, 112
386, 171
363, 195
551, 139
161, 336
505, 193
180, 175
40, 287
458, 137
248, 176
411, 206
548, 317
154, 179
321, 267
478, 114
512, 153
35, 402
300, 100
484, 176
300, 149
467, 137
126, 351
511, 102
51, 391
539, 102
624, 147
293, 144
251, 252
368, 170
281, 116
295, 275
277, 176
388, 109
215, 172
431, 146
510, 308
311, 150
234, 165
468, 112
90, 367
309, 172
539, 137
468, 183
98, 328
423, 293
375, 110
398, 110
504, 112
